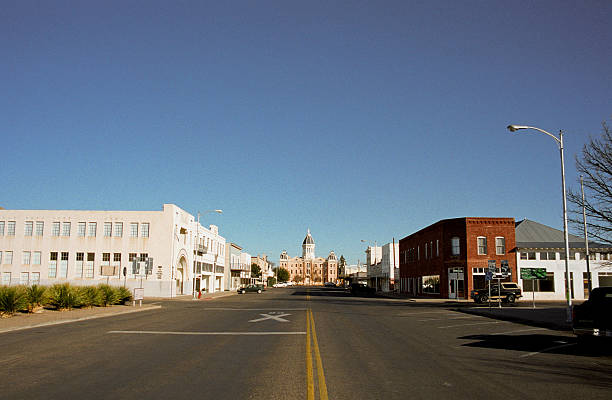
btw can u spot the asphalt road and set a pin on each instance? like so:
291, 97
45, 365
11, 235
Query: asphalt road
299, 343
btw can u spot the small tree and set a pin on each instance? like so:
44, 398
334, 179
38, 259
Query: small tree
271, 281
255, 270
298, 278
282, 274
595, 164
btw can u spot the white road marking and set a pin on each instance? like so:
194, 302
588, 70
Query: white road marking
478, 323
446, 319
274, 316
253, 309
521, 330
205, 333
426, 312
548, 349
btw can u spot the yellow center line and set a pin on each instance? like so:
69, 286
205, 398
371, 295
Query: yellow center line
309, 375
321, 375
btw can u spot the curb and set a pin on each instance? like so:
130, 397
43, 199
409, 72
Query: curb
67, 321
513, 318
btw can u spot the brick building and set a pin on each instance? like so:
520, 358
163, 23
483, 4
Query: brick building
309, 269
450, 258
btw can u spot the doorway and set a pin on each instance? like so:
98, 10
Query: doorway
456, 283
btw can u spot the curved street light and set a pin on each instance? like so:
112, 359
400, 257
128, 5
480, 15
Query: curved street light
559, 140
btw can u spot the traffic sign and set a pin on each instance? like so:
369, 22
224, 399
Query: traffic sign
492, 266
505, 268
488, 276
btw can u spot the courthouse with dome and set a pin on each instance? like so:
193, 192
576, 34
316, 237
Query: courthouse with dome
308, 269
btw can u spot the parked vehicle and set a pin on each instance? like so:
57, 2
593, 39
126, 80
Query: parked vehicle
510, 291
280, 284
251, 288
362, 289
593, 318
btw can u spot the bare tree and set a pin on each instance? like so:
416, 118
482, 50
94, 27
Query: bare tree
595, 165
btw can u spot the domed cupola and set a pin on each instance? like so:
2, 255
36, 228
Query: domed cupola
308, 247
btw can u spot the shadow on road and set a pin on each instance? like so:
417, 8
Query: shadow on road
540, 343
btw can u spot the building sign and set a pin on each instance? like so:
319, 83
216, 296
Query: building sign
533, 273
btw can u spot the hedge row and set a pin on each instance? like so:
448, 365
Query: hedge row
61, 296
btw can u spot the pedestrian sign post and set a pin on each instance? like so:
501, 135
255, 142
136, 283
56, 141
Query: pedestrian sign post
533, 274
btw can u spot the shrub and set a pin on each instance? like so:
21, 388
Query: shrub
35, 297
12, 299
63, 296
123, 295
107, 295
90, 296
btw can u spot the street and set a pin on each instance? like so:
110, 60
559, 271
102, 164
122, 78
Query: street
300, 343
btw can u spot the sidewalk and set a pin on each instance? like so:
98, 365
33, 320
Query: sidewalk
189, 297
52, 317
545, 316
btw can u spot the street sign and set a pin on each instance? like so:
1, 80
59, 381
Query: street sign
488, 276
533, 273
492, 266
505, 268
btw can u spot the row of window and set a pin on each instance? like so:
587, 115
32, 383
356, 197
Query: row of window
114, 229
551, 255
414, 254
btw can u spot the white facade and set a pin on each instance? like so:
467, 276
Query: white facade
382, 273
600, 266
92, 247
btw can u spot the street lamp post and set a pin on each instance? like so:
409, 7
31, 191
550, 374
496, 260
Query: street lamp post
198, 248
559, 140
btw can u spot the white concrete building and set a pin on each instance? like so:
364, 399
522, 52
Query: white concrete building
92, 247
540, 246
238, 263
383, 266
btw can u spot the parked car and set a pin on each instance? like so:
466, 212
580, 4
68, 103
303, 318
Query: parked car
362, 289
510, 291
593, 318
251, 288
280, 284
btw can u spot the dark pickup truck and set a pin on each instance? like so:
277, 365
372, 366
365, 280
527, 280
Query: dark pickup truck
593, 318
510, 291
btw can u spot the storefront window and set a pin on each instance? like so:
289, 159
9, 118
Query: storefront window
431, 284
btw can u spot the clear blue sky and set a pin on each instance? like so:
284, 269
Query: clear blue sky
359, 120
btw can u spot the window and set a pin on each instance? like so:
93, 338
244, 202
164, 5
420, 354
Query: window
29, 228
118, 229
106, 258
431, 284
437, 248
548, 255
572, 255
10, 228
107, 229
134, 229
81, 229
528, 255
455, 251
144, 230
482, 245
24, 278
63, 270
1, 228
55, 229
6, 278
132, 256
36, 258
35, 278
40, 227
78, 268
92, 229
25, 260
117, 257
53, 264
540, 285
66, 229
89, 266
500, 245
0, 258
8, 257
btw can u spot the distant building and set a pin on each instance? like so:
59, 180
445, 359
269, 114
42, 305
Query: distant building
449, 258
238, 267
91, 247
540, 246
383, 266
309, 269
266, 267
